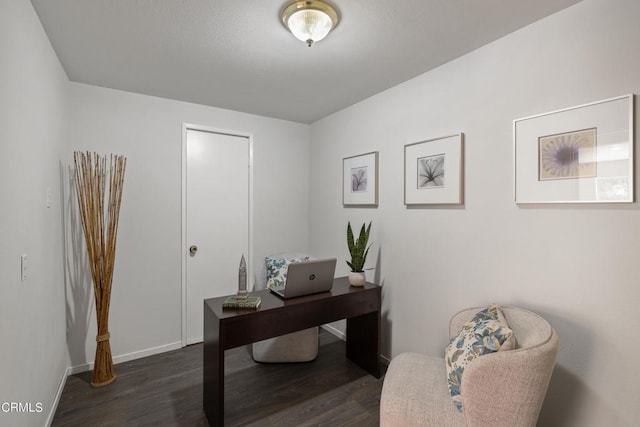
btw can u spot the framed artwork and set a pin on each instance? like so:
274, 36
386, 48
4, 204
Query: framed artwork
581, 154
360, 180
433, 171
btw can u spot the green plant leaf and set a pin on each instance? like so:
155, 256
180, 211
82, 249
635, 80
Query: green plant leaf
360, 248
350, 238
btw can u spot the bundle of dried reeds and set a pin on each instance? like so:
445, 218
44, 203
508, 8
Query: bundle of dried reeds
100, 235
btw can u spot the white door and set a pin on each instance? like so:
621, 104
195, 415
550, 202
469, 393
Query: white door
216, 222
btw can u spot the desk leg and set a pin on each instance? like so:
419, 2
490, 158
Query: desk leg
213, 370
363, 342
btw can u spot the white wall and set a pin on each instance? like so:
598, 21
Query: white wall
145, 313
34, 132
575, 265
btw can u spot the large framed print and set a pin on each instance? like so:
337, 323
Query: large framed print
360, 180
581, 154
433, 171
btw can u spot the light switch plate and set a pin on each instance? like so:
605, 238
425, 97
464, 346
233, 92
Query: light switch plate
23, 267
49, 197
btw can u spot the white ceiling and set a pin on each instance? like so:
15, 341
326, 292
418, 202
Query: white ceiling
236, 54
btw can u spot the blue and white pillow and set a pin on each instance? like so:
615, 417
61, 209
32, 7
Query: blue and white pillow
277, 269
487, 332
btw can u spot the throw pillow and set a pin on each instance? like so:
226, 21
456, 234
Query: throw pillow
277, 269
487, 332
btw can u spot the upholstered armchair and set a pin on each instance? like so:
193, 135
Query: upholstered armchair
301, 346
504, 388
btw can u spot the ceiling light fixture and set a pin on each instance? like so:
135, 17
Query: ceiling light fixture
309, 21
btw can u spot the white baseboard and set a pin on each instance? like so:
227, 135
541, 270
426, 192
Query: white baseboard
333, 331
195, 340
385, 360
56, 398
127, 357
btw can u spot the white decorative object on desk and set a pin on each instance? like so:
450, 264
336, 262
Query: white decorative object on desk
242, 280
357, 278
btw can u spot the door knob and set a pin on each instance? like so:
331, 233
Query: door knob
193, 249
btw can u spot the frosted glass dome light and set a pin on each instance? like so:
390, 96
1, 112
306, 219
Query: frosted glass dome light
309, 21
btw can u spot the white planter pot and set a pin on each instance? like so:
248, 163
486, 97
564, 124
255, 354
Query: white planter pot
357, 278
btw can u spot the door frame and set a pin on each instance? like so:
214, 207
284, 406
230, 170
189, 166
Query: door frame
186, 127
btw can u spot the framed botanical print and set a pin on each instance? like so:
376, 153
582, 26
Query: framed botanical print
581, 154
360, 180
433, 171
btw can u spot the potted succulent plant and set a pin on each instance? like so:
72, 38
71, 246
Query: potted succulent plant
358, 249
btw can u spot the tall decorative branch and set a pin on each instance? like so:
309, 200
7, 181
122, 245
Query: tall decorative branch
100, 234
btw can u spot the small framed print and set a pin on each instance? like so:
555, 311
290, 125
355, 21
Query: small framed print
433, 171
360, 180
582, 154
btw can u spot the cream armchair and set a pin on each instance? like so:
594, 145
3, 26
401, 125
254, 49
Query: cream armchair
505, 388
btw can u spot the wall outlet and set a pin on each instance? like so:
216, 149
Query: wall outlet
23, 267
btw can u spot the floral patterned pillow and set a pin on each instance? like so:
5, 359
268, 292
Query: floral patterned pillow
487, 332
277, 269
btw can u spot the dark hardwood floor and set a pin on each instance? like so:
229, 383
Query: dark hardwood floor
166, 390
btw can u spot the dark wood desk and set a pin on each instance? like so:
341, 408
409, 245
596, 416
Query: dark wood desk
225, 329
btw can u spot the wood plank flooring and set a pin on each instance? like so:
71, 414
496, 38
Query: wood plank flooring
166, 390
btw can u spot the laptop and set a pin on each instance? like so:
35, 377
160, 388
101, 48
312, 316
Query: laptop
305, 278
